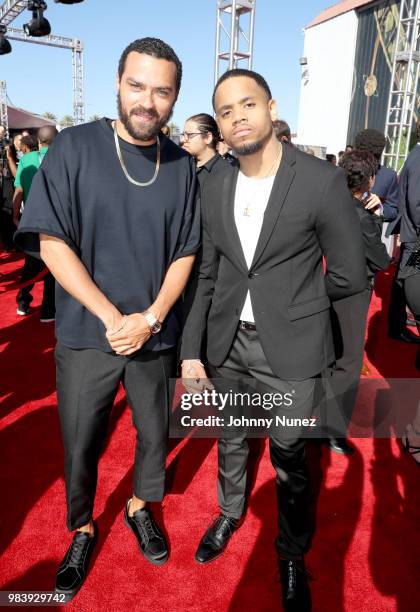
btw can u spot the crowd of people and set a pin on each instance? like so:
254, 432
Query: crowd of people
237, 254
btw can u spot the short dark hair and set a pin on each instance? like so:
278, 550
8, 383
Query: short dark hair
281, 128
242, 72
359, 167
46, 134
330, 156
155, 48
206, 123
30, 141
370, 140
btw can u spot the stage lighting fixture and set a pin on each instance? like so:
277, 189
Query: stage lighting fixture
5, 46
38, 25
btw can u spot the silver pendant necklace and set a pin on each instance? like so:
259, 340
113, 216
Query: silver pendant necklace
128, 177
247, 210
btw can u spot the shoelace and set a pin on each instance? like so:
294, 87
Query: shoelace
76, 553
147, 526
291, 575
223, 522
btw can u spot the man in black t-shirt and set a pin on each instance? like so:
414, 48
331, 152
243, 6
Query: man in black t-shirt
112, 213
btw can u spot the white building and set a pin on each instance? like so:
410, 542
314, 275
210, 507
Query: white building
346, 72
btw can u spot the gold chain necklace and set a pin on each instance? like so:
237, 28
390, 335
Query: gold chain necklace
129, 178
247, 211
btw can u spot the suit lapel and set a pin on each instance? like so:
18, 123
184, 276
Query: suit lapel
284, 178
228, 212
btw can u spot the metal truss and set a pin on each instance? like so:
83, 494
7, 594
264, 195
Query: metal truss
404, 98
235, 19
76, 47
12, 9
4, 121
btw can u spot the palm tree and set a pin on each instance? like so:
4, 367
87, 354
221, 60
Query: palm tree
51, 117
94, 118
67, 121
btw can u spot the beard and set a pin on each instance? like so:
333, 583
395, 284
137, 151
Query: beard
144, 133
249, 148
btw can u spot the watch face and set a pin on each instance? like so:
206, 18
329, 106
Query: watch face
155, 328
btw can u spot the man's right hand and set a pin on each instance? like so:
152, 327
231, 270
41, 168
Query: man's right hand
194, 377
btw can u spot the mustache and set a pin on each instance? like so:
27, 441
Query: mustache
140, 110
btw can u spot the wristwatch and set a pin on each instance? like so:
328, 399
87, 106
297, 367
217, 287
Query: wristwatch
154, 324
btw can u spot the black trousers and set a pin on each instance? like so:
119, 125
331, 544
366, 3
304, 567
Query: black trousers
411, 288
87, 383
31, 268
7, 228
349, 319
287, 451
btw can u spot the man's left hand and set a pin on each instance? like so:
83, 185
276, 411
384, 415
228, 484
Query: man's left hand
134, 333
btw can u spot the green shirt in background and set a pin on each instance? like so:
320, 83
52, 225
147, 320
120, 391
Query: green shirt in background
27, 168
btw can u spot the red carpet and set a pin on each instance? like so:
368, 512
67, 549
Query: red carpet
365, 553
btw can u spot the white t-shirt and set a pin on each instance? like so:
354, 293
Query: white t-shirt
251, 199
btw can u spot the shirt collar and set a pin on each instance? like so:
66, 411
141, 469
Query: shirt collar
209, 164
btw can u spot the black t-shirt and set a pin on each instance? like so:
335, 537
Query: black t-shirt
127, 236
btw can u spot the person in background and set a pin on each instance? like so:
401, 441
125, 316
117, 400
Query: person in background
225, 152
386, 182
282, 130
340, 155
407, 224
8, 172
349, 315
331, 159
349, 148
199, 139
27, 169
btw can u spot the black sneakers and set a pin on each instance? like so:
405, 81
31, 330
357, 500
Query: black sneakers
296, 594
152, 542
73, 568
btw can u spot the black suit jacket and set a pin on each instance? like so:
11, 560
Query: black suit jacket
310, 213
408, 219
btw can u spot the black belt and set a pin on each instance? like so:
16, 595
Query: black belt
247, 325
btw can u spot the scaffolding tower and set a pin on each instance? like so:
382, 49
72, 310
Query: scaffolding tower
235, 30
4, 120
404, 98
9, 10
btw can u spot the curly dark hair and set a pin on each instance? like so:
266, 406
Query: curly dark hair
155, 48
359, 167
372, 141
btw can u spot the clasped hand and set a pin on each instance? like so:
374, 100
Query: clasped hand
129, 335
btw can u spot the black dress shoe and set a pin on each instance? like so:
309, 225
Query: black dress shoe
405, 335
152, 542
216, 538
74, 566
296, 594
340, 445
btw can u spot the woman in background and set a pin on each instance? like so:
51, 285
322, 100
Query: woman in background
350, 314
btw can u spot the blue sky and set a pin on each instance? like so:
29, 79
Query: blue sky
39, 78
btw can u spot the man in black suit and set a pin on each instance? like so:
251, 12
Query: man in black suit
407, 224
262, 301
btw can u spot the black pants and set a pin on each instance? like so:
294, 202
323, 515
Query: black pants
7, 228
87, 383
287, 451
349, 318
31, 268
411, 288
